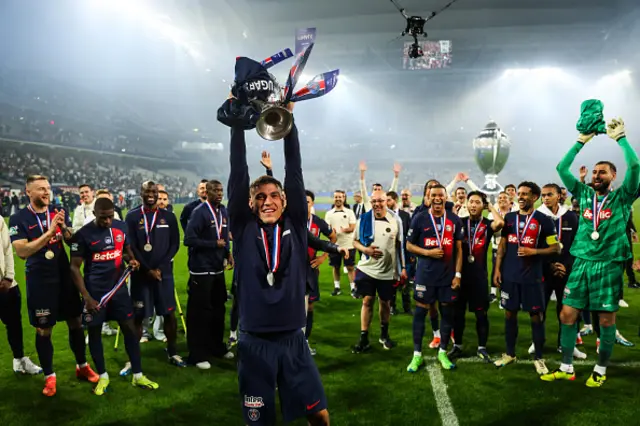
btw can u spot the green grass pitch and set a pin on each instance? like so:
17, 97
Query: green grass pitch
369, 389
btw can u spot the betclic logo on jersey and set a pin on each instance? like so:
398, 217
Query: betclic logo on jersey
525, 241
604, 214
106, 256
433, 242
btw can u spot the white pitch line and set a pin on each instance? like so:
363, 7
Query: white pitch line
632, 364
445, 409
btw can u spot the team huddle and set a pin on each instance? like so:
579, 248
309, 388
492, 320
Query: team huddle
438, 249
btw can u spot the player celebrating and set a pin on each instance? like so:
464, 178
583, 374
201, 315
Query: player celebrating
474, 290
601, 250
36, 234
435, 238
527, 237
271, 262
155, 240
379, 238
102, 245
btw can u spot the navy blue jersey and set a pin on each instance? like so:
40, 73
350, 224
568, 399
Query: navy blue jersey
448, 206
431, 271
187, 210
316, 227
102, 250
538, 233
24, 226
476, 270
266, 308
202, 234
164, 238
566, 227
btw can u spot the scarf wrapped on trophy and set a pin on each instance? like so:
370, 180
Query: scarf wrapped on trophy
258, 101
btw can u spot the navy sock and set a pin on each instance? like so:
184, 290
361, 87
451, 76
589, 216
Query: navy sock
132, 346
459, 324
44, 347
234, 314
511, 333
446, 325
482, 328
77, 345
384, 330
537, 332
435, 325
95, 348
307, 332
419, 318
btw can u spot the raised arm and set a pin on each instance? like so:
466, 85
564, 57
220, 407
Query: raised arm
363, 186
631, 177
238, 186
293, 181
396, 175
564, 167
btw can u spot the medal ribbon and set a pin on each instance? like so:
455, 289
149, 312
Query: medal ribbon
121, 281
560, 229
443, 221
273, 261
147, 228
597, 209
32, 210
215, 220
524, 230
472, 242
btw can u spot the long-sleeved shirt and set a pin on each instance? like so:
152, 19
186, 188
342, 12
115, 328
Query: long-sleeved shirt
164, 238
201, 236
7, 271
280, 306
81, 214
366, 199
186, 213
451, 188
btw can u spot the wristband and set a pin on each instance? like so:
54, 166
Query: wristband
458, 275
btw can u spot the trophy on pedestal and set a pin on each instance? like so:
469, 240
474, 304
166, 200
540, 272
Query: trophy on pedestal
491, 148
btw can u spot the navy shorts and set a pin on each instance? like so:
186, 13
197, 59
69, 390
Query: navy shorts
475, 295
337, 259
367, 286
313, 287
119, 308
282, 360
53, 301
428, 295
411, 270
149, 295
529, 297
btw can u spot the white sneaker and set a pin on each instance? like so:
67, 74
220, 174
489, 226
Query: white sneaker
578, 354
228, 355
553, 297
144, 339
532, 349
107, 330
126, 370
26, 366
623, 304
541, 367
204, 365
345, 270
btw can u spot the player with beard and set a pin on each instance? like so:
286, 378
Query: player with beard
404, 221
376, 186
600, 249
407, 205
528, 236
270, 245
155, 240
474, 287
435, 237
343, 221
556, 269
36, 233
189, 207
379, 238
502, 207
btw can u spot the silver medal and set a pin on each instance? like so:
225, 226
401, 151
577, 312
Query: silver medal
471, 259
595, 235
148, 247
270, 278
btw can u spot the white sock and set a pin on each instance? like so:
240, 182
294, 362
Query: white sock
233, 334
588, 326
104, 375
441, 351
417, 353
353, 285
137, 376
436, 333
304, 331
494, 291
567, 368
50, 375
336, 284
600, 370
482, 348
81, 365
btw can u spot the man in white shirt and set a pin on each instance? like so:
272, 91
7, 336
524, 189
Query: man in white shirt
407, 205
458, 195
343, 221
503, 206
378, 236
10, 304
376, 186
101, 193
84, 212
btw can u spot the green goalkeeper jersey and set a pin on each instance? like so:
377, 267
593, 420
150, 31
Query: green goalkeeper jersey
612, 243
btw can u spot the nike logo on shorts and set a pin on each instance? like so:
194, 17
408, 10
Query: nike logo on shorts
312, 406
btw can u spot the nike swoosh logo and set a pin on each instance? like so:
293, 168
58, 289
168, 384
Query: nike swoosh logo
312, 406
95, 242
32, 226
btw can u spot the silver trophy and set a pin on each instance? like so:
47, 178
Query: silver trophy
491, 148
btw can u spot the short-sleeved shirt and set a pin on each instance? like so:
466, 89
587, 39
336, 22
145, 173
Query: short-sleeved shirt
317, 226
387, 237
536, 231
430, 271
25, 226
102, 250
476, 271
342, 218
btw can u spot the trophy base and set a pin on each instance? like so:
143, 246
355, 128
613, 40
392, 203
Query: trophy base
491, 185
